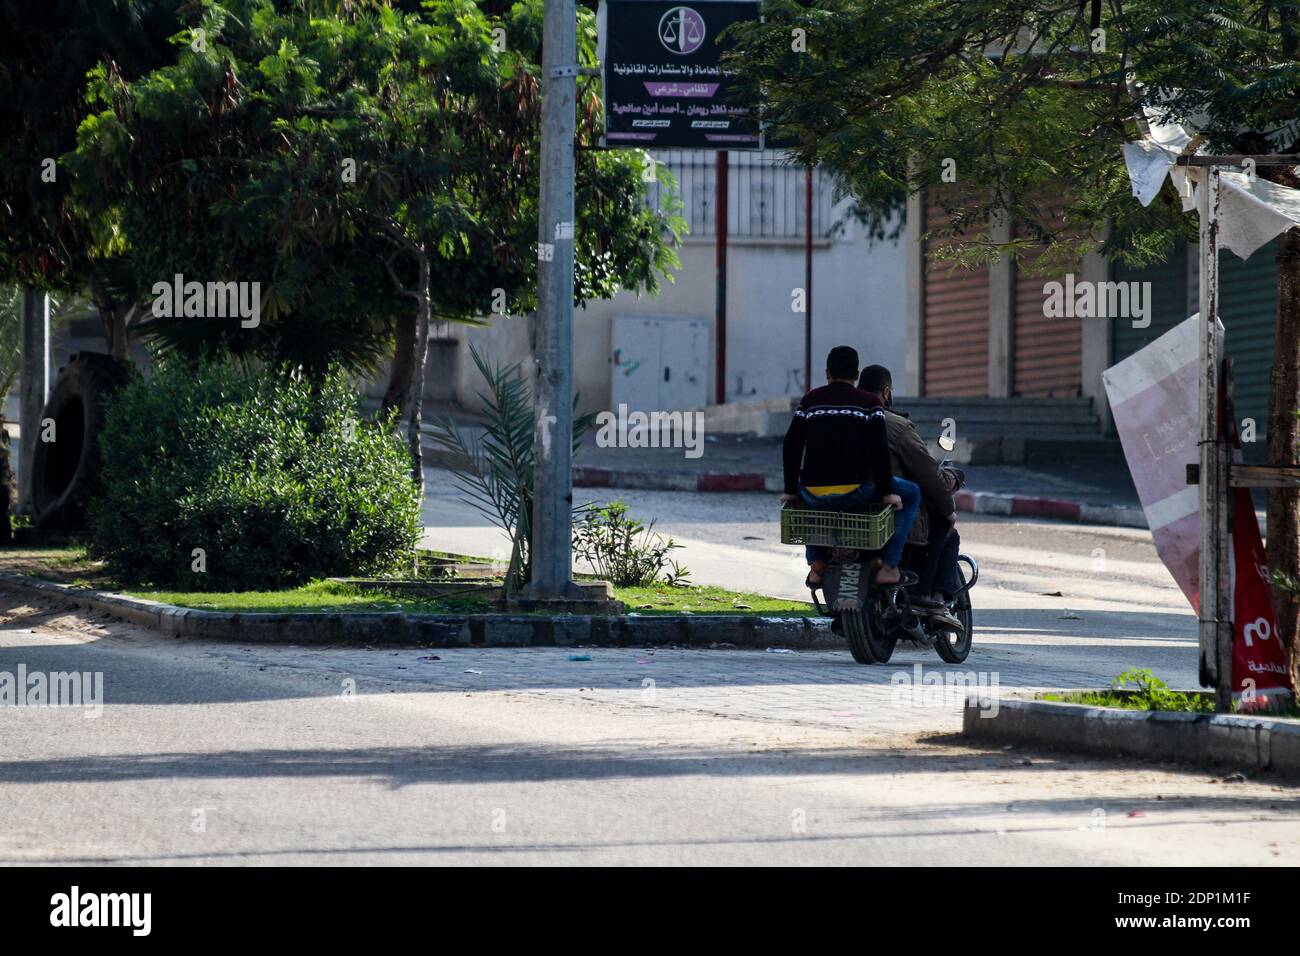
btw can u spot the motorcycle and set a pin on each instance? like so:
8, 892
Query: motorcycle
872, 617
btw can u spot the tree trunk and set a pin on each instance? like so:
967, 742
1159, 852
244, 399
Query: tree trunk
112, 316
399, 380
420, 355
1283, 544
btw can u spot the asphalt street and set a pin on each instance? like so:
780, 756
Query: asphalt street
208, 753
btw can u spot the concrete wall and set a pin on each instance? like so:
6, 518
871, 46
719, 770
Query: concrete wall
859, 299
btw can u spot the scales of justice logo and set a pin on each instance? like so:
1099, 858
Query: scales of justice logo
681, 30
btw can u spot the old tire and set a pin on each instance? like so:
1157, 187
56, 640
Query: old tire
65, 471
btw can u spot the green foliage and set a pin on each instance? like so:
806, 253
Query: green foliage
622, 549
45, 51
323, 155
271, 475
1021, 96
1150, 692
496, 472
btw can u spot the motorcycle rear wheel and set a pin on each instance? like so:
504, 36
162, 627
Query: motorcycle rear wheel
866, 643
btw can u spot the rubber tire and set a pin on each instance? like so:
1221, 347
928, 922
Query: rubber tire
65, 472
865, 644
855, 630
957, 653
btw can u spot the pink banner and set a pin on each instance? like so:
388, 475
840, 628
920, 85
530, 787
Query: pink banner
1153, 398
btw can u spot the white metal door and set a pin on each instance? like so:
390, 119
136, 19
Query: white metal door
634, 372
683, 373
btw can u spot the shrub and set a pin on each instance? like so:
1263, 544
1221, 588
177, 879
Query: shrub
273, 476
623, 550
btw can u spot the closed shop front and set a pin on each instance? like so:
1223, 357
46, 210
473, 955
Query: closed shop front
955, 324
1247, 308
1047, 351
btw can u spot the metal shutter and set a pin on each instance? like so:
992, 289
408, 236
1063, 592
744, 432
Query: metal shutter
1248, 310
955, 324
1168, 303
1047, 352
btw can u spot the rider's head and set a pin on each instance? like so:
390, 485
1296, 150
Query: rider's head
876, 378
842, 364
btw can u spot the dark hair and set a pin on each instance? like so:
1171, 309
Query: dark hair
875, 378
842, 362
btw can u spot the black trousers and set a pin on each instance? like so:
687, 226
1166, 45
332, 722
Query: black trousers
935, 563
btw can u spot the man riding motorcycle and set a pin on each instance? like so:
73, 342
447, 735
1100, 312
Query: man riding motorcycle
836, 457
934, 544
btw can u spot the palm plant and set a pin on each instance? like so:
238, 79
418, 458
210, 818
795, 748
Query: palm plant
496, 470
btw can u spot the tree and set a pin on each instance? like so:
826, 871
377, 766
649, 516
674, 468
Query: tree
1032, 99
375, 169
45, 51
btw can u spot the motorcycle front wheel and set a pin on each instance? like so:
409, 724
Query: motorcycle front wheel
954, 648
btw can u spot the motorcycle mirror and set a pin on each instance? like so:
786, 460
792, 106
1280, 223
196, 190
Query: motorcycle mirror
946, 443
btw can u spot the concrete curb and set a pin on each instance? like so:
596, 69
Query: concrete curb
1061, 509
439, 630
975, 502
1239, 741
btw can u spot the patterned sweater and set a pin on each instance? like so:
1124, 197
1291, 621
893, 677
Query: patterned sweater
838, 437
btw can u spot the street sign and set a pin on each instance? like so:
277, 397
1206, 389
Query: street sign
663, 78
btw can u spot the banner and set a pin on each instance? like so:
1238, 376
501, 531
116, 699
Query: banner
1259, 669
663, 79
1153, 398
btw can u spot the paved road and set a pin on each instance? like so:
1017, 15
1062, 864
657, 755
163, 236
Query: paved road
1057, 605
208, 753
216, 753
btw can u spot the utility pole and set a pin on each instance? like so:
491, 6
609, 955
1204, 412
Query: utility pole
807, 276
720, 259
552, 530
1215, 624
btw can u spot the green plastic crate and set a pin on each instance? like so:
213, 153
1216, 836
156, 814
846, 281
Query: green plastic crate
868, 530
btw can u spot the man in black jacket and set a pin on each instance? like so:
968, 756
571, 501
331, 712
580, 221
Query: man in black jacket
836, 457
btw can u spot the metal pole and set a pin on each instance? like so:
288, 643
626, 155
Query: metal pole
807, 277
720, 247
552, 563
46, 349
31, 402
1214, 629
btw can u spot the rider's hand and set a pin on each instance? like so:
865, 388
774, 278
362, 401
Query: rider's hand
952, 520
786, 499
893, 501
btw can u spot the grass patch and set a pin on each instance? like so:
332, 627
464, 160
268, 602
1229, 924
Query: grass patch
333, 596
68, 564
663, 599
73, 565
1140, 689
1192, 703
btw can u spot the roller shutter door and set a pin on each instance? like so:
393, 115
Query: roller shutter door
955, 324
1047, 351
1248, 310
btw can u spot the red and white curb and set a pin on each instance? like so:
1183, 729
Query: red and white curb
1060, 509
975, 502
